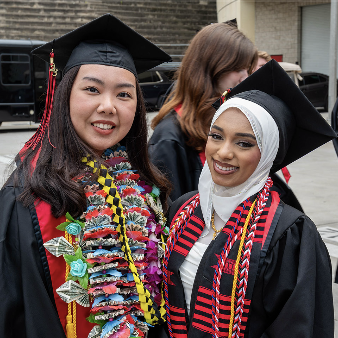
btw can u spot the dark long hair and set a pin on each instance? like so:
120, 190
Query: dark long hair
215, 50
52, 178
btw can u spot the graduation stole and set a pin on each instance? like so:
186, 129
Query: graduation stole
242, 227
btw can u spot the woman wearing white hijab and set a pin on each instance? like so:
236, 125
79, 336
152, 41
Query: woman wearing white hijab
239, 262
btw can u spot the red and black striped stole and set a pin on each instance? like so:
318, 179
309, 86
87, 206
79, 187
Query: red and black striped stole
201, 316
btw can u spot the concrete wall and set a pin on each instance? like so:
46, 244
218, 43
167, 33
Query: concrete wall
278, 27
274, 26
242, 10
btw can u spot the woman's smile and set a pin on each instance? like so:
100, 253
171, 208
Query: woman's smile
224, 168
104, 127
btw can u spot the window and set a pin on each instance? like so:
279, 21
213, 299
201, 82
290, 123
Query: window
311, 79
15, 69
323, 79
145, 77
149, 77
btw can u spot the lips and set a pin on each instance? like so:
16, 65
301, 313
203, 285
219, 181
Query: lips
224, 168
104, 127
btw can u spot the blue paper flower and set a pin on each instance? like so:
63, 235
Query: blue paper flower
155, 191
73, 228
108, 151
78, 268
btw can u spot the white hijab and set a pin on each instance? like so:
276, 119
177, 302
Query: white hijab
225, 200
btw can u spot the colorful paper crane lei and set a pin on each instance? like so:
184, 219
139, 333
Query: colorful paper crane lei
114, 251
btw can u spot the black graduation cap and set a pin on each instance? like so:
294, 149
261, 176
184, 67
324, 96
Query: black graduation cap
107, 41
232, 22
301, 128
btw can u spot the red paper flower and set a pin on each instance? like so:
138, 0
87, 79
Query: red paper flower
102, 193
134, 177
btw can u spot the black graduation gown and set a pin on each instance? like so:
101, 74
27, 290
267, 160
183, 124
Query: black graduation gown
334, 124
27, 307
292, 290
169, 153
182, 165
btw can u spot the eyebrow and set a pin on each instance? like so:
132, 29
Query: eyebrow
119, 85
237, 134
94, 79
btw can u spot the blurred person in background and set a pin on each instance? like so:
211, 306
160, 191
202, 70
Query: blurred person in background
263, 58
218, 58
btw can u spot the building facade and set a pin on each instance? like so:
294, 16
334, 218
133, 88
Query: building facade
291, 31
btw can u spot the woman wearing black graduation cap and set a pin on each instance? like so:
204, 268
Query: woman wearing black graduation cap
239, 262
81, 219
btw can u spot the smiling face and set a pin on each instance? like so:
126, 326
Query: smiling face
103, 103
231, 79
231, 151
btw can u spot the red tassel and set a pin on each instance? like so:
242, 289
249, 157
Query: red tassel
224, 95
37, 138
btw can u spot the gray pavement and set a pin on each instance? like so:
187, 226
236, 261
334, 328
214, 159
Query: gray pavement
314, 180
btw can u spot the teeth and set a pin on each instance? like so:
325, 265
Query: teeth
225, 168
103, 126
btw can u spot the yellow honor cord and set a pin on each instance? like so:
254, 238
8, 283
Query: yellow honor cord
233, 293
71, 319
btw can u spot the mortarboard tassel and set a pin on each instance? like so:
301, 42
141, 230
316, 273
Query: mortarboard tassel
286, 174
222, 99
44, 124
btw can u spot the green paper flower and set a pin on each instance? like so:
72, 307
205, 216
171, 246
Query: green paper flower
78, 268
73, 228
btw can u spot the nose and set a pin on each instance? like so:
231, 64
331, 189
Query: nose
106, 105
225, 152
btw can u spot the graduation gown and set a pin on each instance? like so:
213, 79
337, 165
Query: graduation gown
182, 165
289, 287
28, 308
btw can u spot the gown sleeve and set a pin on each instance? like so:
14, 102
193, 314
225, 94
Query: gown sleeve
26, 307
171, 159
293, 293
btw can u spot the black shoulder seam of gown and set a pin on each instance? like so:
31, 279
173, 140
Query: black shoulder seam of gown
42, 253
287, 218
177, 204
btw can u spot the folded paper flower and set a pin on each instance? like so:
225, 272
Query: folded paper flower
95, 332
71, 291
59, 246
